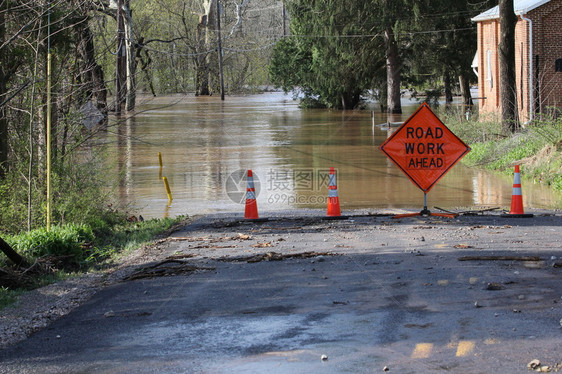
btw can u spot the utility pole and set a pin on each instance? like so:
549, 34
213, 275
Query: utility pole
49, 109
120, 67
221, 76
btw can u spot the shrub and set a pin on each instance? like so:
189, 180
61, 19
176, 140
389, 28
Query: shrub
59, 241
536, 147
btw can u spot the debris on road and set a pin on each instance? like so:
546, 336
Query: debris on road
462, 246
499, 258
180, 256
274, 256
533, 364
165, 268
262, 245
492, 286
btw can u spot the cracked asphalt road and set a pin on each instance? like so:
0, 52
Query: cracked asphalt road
365, 293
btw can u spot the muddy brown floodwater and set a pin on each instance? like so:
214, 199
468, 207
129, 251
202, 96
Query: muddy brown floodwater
206, 145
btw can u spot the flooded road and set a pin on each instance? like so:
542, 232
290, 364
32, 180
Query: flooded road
207, 145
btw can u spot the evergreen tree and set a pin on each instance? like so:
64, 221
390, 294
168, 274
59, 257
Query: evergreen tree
332, 54
444, 47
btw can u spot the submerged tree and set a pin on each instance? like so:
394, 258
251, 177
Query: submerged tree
444, 47
419, 42
394, 20
332, 54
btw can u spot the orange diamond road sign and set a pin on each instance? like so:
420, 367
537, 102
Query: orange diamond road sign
424, 148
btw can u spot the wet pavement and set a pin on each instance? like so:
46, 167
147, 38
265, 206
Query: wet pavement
307, 295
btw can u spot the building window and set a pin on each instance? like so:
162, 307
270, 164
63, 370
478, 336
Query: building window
489, 78
558, 64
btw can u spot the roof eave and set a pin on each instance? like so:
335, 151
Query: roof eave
494, 13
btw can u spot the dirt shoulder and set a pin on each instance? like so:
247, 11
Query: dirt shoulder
532, 246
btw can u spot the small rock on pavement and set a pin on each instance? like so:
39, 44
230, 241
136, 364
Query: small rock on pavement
494, 286
385, 368
324, 358
533, 364
109, 314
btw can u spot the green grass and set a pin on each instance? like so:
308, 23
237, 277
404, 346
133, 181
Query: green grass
536, 148
85, 248
65, 240
124, 237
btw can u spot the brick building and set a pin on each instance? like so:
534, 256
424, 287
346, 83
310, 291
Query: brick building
538, 49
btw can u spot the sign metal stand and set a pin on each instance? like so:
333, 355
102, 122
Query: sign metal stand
425, 150
426, 212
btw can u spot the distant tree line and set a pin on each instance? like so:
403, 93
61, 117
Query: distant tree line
338, 51
104, 53
98, 56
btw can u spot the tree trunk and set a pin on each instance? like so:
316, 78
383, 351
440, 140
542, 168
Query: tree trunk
91, 71
383, 97
447, 88
350, 100
465, 90
508, 20
210, 45
130, 54
3, 89
12, 255
202, 72
120, 69
207, 80
392, 72
3, 128
144, 64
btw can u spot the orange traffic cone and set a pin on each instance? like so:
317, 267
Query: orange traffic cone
251, 204
333, 199
517, 198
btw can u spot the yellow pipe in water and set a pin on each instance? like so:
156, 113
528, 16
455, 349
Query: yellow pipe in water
160, 162
168, 191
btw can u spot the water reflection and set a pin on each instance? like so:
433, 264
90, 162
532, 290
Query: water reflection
206, 144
